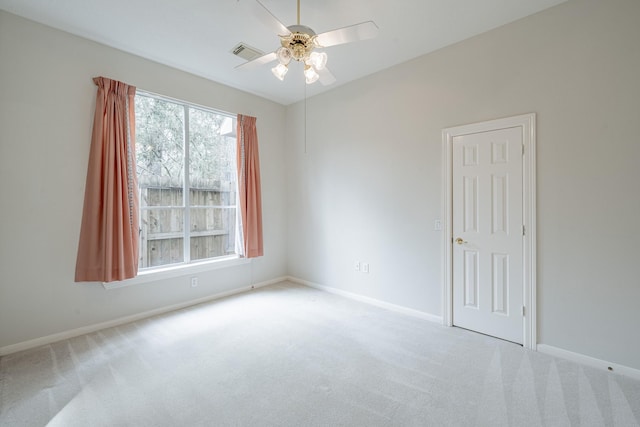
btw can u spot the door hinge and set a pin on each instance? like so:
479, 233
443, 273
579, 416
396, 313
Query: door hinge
523, 149
523, 232
523, 311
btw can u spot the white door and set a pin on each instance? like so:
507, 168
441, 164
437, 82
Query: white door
488, 233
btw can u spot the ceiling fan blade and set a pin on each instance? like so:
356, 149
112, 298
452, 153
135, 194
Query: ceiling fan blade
326, 77
265, 16
255, 63
352, 33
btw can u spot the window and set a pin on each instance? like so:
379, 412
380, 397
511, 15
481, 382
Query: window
186, 165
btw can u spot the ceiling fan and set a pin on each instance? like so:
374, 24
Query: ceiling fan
301, 43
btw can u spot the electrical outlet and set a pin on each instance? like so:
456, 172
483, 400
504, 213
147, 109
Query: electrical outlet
356, 265
365, 267
194, 282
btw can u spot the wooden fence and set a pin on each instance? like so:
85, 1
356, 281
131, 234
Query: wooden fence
212, 215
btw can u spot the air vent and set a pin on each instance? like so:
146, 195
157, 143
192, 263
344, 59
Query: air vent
246, 52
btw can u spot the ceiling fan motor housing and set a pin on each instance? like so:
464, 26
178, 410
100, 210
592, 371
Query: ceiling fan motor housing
300, 42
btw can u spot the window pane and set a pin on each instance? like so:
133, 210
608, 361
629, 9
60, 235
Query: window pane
212, 189
160, 168
161, 156
159, 150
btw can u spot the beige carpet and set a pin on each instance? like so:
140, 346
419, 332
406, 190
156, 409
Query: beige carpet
288, 355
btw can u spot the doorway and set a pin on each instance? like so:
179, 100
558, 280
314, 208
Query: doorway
489, 228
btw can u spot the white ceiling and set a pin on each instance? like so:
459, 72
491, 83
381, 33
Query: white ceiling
198, 35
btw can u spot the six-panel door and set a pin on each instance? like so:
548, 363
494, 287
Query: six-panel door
487, 233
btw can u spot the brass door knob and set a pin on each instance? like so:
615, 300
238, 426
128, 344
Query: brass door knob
460, 241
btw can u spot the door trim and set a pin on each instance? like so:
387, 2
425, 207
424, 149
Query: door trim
527, 123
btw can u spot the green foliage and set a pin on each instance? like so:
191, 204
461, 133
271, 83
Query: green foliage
159, 141
212, 156
160, 147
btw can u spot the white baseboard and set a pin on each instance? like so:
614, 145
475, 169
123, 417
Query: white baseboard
371, 301
37, 342
589, 361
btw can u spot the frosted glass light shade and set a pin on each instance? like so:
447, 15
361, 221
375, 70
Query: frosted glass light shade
318, 60
284, 55
280, 71
310, 74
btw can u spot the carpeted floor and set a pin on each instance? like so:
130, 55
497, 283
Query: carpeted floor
288, 355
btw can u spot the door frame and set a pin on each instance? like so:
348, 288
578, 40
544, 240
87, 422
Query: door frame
527, 123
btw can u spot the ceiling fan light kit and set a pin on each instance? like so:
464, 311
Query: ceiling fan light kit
300, 42
300, 45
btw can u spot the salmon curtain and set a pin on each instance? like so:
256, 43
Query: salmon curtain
109, 238
249, 194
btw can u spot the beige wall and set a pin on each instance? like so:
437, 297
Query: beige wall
47, 99
369, 186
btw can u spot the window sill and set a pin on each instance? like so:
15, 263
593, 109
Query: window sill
180, 270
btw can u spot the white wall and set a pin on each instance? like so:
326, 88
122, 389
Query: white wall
47, 99
368, 187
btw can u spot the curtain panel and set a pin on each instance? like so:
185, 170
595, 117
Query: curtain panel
109, 235
249, 193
